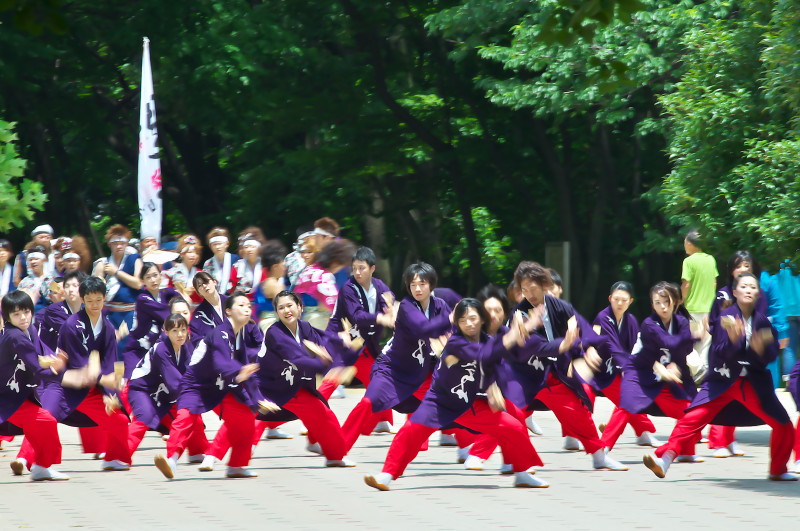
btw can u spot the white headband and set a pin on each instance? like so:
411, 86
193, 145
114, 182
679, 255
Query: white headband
218, 239
118, 239
37, 255
42, 228
323, 232
71, 256
251, 243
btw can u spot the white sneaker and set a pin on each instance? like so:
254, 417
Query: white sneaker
533, 427
796, 466
115, 465
647, 439
526, 480
379, 481
18, 465
339, 392
276, 433
166, 465
98, 457
506, 469
736, 449
40, 473
239, 472
572, 444
786, 476
600, 461
384, 426
208, 463
657, 465
314, 448
339, 463
721, 453
689, 459
445, 439
462, 454
199, 458
473, 463
303, 429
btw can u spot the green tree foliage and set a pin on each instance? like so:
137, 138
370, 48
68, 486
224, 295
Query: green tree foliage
734, 132
19, 196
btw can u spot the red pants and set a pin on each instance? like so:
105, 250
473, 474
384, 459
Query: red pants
671, 406
93, 440
318, 418
197, 443
687, 430
571, 413
639, 422
363, 367
485, 445
362, 420
41, 444
512, 434
114, 425
721, 436
238, 423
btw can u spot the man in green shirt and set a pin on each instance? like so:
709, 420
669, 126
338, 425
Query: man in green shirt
698, 288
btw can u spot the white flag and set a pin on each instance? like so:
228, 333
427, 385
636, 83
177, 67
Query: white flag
149, 165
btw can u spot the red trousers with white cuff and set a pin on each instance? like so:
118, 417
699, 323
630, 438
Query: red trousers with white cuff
41, 444
114, 425
197, 443
512, 435
238, 421
639, 422
362, 420
317, 417
687, 430
485, 445
669, 404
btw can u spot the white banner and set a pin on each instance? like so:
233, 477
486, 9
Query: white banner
149, 164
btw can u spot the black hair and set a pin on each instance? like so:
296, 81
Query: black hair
175, 320
147, 266
272, 252
621, 285
736, 260
744, 275
365, 254
491, 291
424, 271
201, 277
465, 304
92, 285
668, 290
695, 238
287, 293
235, 295
5, 244
178, 300
58, 280
556, 277
14, 301
79, 275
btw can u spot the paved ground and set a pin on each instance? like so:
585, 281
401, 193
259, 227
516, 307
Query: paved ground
295, 491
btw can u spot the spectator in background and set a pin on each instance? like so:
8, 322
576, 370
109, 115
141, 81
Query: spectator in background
699, 288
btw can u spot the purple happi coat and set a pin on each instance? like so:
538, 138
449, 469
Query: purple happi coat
620, 339
150, 316
77, 339
352, 304
286, 366
730, 364
640, 385
155, 382
725, 298
212, 371
525, 373
407, 360
454, 389
20, 373
50, 320
204, 319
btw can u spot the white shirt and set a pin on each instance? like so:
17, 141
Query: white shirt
372, 298
97, 328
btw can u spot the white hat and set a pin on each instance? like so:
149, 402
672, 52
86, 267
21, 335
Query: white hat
42, 228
